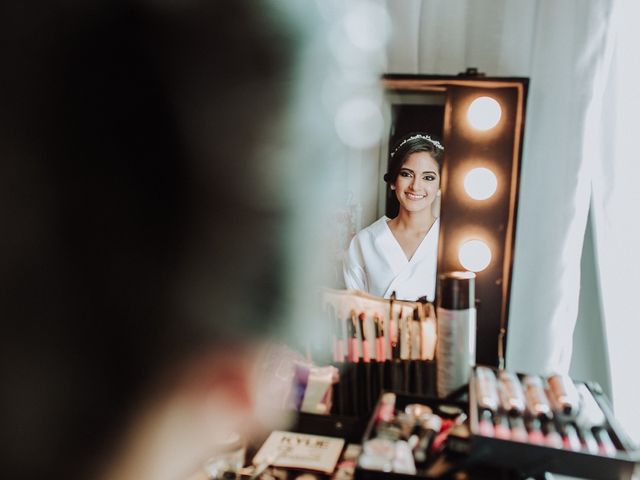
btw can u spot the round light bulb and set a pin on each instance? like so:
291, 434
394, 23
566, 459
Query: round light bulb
359, 123
474, 255
484, 113
480, 183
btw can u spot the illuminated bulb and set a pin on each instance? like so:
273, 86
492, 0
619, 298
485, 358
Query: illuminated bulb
484, 113
480, 183
474, 255
367, 26
359, 123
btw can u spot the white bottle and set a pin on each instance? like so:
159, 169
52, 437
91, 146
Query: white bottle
456, 320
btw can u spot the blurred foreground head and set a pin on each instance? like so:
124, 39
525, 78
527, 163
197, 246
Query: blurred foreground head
144, 210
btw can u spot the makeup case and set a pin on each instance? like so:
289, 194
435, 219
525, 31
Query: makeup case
529, 459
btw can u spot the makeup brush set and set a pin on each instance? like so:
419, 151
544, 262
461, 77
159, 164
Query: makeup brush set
385, 346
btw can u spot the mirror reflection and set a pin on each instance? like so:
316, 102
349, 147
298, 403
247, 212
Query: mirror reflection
398, 253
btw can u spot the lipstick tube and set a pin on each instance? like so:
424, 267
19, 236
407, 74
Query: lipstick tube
536, 398
501, 427
535, 432
510, 392
485, 424
565, 394
518, 430
551, 436
486, 389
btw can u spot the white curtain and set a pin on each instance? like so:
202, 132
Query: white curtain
578, 151
611, 147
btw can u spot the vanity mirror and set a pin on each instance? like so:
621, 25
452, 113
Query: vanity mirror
480, 122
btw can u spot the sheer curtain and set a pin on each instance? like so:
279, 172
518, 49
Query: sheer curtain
579, 153
611, 145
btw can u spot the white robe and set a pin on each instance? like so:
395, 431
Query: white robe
376, 263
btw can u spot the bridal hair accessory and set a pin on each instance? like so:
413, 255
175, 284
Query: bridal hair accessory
435, 143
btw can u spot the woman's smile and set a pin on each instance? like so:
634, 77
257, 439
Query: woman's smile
414, 196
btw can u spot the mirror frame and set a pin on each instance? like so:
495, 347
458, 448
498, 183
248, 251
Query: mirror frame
492, 220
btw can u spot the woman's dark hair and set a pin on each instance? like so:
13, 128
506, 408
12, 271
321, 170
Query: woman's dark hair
412, 143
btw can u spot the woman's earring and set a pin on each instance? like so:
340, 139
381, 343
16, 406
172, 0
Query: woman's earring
393, 187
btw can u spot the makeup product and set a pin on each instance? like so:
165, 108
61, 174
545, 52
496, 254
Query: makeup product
510, 393
380, 350
429, 428
389, 430
441, 438
354, 353
565, 393
403, 460
378, 454
588, 441
428, 332
501, 427
536, 398
393, 334
335, 330
449, 411
456, 320
366, 354
386, 410
417, 410
605, 444
485, 424
535, 432
518, 431
486, 389
551, 436
570, 437
406, 422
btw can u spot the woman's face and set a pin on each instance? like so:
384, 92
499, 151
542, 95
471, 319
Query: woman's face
418, 182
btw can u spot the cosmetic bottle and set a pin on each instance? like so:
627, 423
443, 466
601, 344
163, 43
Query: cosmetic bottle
456, 320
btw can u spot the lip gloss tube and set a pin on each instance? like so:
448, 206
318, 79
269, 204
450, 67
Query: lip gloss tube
510, 392
535, 396
486, 389
551, 436
501, 427
485, 424
565, 393
535, 433
518, 430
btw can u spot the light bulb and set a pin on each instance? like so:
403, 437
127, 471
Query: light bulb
474, 255
484, 113
480, 183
